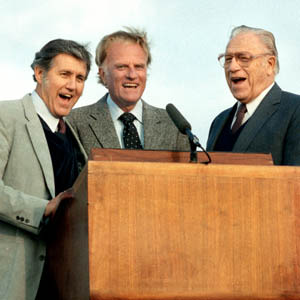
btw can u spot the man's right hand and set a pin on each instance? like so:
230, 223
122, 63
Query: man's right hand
53, 204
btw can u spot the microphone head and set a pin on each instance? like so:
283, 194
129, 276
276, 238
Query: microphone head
178, 119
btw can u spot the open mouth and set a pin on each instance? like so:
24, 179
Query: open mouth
130, 85
237, 80
65, 96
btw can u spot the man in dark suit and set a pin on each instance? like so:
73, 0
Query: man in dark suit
40, 158
121, 119
265, 119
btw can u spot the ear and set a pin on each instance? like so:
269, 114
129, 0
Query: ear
38, 73
102, 74
271, 65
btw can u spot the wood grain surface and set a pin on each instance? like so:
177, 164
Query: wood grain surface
101, 154
192, 231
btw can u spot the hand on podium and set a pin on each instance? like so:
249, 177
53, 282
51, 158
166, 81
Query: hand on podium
53, 204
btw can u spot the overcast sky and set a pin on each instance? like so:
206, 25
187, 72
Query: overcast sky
186, 37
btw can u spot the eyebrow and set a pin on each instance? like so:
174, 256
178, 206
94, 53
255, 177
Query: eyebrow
237, 52
81, 76
84, 76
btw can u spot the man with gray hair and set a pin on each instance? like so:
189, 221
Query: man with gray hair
121, 119
40, 158
265, 119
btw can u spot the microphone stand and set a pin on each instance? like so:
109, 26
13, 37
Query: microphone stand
194, 143
185, 128
193, 147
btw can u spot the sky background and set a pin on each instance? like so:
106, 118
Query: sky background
186, 37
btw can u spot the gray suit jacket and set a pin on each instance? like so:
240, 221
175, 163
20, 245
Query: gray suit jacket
273, 128
95, 129
26, 184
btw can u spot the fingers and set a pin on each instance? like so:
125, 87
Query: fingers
69, 193
54, 203
50, 208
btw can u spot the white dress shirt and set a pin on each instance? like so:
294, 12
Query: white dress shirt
116, 112
252, 105
43, 111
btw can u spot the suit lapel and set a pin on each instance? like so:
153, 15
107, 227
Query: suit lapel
39, 142
264, 111
217, 128
102, 126
153, 128
77, 140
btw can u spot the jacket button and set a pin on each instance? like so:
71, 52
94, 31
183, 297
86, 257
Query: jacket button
22, 219
26, 221
17, 217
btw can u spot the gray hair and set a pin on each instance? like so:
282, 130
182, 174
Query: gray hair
45, 56
265, 36
132, 35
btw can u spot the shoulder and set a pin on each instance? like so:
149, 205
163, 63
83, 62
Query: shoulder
151, 110
290, 98
223, 114
13, 110
83, 109
87, 109
10, 105
220, 119
13, 119
289, 104
286, 99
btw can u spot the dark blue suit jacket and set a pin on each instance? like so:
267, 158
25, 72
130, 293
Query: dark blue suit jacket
273, 128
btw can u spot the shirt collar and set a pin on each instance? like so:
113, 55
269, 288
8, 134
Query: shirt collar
252, 106
43, 111
116, 111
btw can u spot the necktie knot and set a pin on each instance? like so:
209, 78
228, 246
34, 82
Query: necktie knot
127, 118
242, 109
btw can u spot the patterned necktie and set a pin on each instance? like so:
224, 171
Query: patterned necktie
61, 126
130, 135
239, 118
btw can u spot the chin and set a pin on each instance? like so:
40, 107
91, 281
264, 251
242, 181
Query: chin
243, 100
239, 97
63, 113
132, 100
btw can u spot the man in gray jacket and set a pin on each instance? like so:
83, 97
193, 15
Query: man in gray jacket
40, 158
121, 119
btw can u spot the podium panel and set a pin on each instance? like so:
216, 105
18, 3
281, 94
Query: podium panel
182, 231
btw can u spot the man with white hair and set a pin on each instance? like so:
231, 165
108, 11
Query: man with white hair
265, 119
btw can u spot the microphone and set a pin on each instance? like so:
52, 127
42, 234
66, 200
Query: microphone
185, 128
181, 123
178, 119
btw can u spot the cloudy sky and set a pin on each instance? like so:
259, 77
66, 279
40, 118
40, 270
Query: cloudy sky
186, 38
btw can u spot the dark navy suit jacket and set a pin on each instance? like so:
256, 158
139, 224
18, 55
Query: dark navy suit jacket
273, 128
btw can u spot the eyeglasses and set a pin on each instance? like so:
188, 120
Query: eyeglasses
244, 59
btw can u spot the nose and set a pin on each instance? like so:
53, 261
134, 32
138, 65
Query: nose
71, 83
131, 73
233, 66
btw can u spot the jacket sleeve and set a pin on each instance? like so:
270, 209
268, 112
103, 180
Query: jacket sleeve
16, 207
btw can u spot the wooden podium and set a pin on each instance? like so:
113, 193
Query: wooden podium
161, 230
